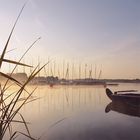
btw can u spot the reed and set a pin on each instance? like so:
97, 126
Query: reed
9, 110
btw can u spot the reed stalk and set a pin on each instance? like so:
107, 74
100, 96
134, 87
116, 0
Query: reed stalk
8, 111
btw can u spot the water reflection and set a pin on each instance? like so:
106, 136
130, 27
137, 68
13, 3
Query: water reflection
124, 108
96, 126
83, 108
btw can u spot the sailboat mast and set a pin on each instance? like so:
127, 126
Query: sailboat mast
54, 69
67, 72
48, 66
51, 70
63, 68
72, 71
90, 72
95, 71
85, 71
80, 71
100, 74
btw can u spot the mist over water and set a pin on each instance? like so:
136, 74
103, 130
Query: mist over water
78, 113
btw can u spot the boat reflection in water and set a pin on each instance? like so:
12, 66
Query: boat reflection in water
124, 108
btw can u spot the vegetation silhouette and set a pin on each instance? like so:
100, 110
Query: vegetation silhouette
8, 111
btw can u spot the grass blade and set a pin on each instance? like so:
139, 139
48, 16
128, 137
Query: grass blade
20, 60
25, 125
14, 62
6, 45
10, 78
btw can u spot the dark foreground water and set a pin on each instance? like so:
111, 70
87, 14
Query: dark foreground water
80, 113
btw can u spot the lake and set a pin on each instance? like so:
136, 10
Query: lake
78, 113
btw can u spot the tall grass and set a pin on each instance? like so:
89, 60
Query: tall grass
9, 110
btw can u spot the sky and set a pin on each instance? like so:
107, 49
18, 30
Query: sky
104, 34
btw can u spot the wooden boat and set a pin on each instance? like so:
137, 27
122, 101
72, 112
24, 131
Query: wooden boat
129, 96
124, 108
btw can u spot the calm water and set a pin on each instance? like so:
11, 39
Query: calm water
78, 113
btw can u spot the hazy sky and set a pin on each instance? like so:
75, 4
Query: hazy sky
105, 33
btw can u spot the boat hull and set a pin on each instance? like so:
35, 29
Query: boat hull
128, 97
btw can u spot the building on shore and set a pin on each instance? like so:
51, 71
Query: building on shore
21, 77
